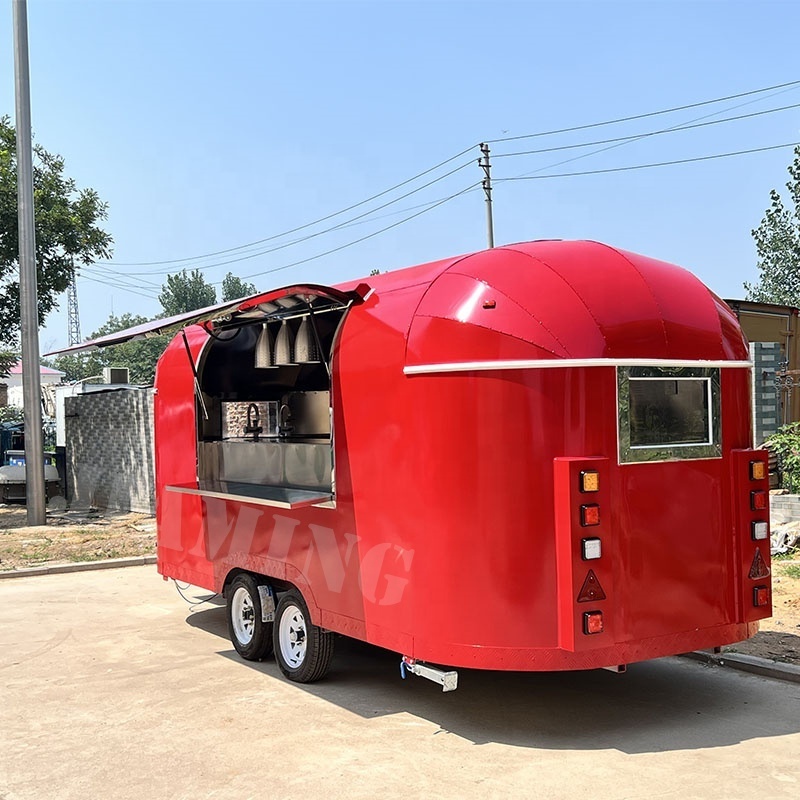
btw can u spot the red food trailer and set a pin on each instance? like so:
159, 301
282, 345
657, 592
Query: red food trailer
536, 457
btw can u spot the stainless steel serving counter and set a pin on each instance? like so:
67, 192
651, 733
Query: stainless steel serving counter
276, 496
301, 463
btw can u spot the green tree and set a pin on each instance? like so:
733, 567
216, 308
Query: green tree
67, 234
233, 288
778, 246
7, 360
139, 356
186, 291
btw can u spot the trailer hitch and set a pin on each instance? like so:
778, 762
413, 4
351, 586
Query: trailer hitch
447, 680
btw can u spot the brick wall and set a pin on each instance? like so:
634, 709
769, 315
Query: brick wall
766, 403
109, 450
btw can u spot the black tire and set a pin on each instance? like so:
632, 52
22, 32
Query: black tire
251, 637
303, 651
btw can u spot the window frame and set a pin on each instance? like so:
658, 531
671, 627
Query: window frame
637, 454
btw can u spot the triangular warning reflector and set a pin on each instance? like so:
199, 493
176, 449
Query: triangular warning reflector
758, 569
591, 589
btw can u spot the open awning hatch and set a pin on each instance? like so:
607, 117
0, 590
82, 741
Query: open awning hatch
275, 304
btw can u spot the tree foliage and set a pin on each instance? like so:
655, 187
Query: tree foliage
139, 356
186, 291
67, 233
7, 360
233, 288
777, 241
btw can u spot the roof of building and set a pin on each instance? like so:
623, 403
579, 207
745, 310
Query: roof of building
17, 370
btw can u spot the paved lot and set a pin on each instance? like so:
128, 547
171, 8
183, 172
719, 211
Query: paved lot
113, 687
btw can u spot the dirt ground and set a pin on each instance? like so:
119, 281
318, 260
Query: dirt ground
86, 536
72, 536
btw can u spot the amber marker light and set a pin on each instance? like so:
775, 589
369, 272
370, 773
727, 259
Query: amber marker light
758, 470
590, 480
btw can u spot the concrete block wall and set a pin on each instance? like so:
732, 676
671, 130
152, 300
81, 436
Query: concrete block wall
110, 457
766, 401
784, 508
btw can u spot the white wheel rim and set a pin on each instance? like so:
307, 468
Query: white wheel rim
243, 616
292, 636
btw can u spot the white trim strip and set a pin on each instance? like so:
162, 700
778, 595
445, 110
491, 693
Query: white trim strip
568, 363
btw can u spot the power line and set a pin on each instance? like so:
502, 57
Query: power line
305, 225
116, 286
188, 261
632, 137
363, 238
426, 206
673, 127
306, 238
643, 116
647, 166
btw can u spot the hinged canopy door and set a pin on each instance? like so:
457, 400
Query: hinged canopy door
259, 307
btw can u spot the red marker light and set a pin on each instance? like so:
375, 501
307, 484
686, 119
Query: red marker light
761, 596
590, 515
758, 501
592, 622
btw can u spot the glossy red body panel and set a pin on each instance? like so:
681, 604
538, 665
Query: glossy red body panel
455, 536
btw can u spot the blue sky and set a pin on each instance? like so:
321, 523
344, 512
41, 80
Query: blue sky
209, 125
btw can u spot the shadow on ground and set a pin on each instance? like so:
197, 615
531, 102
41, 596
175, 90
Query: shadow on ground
667, 704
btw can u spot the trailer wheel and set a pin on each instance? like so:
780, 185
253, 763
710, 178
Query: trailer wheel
303, 650
251, 637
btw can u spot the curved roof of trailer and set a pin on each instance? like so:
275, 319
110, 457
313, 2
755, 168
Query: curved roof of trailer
562, 301
535, 303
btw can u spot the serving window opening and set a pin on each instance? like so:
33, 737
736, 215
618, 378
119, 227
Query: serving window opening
668, 413
265, 431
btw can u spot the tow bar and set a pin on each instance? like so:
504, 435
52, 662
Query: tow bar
447, 680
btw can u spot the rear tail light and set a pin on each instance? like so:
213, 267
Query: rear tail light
758, 470
759, 530
590, 515
761, 596
758, 501
592, 622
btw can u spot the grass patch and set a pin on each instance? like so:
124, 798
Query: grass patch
790, 571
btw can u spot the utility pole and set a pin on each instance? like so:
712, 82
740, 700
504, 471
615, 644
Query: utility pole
28, 300
487, 188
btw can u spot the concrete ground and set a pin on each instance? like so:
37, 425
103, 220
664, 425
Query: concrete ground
114, 687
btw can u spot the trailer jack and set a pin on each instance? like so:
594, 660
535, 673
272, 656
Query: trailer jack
447, 680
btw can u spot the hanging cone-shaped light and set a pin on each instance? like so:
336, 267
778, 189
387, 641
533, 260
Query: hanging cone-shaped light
264, 348
305, 345
283, 345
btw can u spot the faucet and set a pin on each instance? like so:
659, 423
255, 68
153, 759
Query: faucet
284, 428
252, 426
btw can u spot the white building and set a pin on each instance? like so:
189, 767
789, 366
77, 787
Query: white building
48, 377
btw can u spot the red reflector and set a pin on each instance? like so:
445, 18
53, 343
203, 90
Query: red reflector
758, 501
590, 515
593, 622
591, 589
761, 596
759, 568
